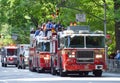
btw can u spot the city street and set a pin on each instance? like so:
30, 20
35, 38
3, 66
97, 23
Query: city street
11, 74
76, 41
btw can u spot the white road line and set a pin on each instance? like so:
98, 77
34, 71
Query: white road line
63, 79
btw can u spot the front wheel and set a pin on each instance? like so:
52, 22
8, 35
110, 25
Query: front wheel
97, 73
5, 65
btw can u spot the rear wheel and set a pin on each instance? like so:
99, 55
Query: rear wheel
2, 64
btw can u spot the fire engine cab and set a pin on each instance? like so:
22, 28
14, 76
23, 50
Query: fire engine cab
77, 50
39, 53
9, 55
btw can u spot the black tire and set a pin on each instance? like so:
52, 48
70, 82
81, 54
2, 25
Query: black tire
80, 73
85, 73
16, 65
5, 65
2, 64
97, 73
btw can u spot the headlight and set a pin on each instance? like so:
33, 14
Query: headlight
98, 56
47, 57
72, 56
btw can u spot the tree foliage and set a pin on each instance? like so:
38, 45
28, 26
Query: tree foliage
21, 15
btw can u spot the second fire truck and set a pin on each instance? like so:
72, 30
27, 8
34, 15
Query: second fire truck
39, 54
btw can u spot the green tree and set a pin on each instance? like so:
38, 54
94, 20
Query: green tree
117, 23
20, 15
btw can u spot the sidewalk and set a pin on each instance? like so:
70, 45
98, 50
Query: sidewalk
113, 66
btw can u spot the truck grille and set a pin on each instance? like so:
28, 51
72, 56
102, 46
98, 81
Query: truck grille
85, 56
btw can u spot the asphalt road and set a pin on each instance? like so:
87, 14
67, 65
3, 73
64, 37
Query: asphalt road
11, 74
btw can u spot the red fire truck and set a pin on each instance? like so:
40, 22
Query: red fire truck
77, 50
9, 55
39, 54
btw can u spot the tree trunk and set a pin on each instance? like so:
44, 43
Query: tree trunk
117, 24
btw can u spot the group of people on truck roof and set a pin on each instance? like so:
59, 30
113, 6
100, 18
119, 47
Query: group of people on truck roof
46, 27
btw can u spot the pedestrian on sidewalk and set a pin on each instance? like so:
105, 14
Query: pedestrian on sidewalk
117, 57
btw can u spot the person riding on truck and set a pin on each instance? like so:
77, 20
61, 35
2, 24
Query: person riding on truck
39, 33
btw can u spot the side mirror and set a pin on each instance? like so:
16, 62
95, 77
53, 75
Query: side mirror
61, 46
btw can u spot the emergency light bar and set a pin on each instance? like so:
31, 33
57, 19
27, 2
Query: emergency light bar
84, 31
11, 47
77, 29
68, 32
98, 31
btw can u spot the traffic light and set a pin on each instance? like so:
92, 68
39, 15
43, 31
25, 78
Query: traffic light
0, 35
53, 15
57, 12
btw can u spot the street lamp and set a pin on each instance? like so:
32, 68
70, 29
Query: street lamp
105, 19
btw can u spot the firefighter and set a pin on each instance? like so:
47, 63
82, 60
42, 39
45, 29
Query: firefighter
39, 33
58, 26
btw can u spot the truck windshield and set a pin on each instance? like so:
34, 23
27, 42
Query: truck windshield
43, 46
75, 42
95, 41
84, 41
11, 52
